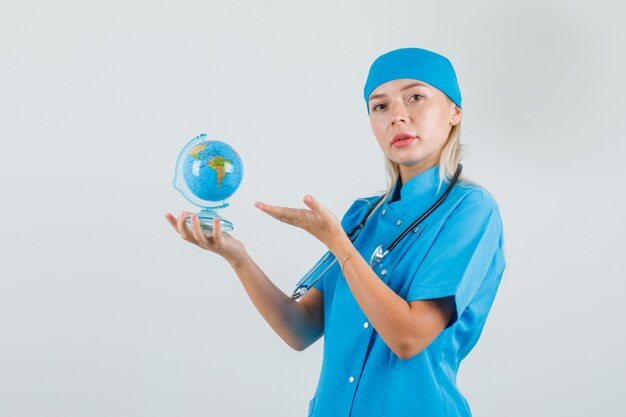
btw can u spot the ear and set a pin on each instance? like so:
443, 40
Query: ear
455, 115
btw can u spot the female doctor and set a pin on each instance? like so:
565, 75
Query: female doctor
396, 330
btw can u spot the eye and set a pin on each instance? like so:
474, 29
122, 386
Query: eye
417, 95
376, 106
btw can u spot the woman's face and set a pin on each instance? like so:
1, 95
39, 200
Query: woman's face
413, 109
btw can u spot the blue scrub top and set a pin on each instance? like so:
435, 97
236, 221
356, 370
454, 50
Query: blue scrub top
457, 251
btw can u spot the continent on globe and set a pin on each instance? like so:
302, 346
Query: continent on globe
195, 151
221, 165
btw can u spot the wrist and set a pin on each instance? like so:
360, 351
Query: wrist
236, 260
341, 246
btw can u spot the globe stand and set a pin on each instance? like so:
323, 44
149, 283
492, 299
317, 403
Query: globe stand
206, 216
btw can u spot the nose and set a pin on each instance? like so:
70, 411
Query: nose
397, 119
399, 115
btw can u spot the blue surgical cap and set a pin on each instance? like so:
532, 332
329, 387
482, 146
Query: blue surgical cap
415, 63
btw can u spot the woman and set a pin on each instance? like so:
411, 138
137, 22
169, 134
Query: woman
395, 331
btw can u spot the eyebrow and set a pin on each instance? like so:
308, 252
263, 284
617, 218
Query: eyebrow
406, 87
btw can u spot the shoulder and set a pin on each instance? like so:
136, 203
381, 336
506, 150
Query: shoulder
470, 194
357, 210
473, 202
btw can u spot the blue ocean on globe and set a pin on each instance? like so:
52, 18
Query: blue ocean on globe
212, 170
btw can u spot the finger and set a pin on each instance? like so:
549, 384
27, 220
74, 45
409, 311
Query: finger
197, 232
320, 211
317, 208
314, 205
217, 230
171, 220
182, 226
284, 214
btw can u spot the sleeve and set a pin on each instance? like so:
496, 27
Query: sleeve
466, 254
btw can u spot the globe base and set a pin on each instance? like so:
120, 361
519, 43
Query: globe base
206, 221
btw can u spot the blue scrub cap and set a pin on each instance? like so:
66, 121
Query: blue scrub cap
415, 63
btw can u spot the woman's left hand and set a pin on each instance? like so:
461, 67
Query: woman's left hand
318, 221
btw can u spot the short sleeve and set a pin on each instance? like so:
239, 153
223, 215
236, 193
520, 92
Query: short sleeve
466, 255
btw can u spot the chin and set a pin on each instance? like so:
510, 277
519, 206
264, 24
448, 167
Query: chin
409, 162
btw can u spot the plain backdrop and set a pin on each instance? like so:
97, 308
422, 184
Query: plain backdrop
105, 311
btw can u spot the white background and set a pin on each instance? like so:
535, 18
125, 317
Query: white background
105, 311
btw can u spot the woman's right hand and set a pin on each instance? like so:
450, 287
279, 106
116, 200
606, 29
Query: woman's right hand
219, 242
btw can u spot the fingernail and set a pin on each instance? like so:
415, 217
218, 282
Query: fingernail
308, 199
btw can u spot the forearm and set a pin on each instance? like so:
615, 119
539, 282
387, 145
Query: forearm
284, 315
386, 311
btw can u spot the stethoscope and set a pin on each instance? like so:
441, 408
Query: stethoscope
380, 252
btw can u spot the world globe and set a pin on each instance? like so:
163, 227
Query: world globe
207, 173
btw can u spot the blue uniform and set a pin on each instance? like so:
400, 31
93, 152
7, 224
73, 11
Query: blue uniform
457, 251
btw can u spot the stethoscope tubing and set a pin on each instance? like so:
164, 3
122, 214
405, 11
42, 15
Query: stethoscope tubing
379, 253
429, 211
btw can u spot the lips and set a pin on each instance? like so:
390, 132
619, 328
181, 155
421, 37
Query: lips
402, 137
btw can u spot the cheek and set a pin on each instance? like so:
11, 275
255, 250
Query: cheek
431, 115
435, 122
376, 130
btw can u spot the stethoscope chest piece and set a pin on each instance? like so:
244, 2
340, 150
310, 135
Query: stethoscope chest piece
377, 255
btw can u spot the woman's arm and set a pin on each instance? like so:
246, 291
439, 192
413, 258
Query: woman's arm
465, 255
406, 327
299, 323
